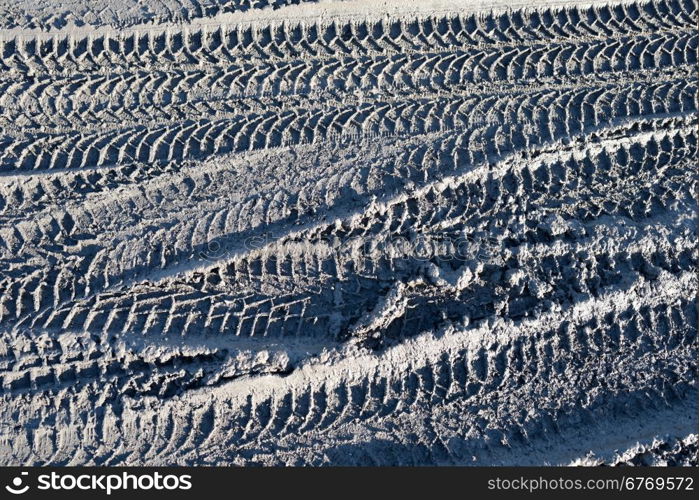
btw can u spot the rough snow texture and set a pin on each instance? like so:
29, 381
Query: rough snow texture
249, 232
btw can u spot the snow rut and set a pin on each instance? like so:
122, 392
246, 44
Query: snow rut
356, 239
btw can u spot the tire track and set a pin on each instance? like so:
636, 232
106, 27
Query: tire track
343, 233
483, 365
223, 43
211, 306
159, 96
